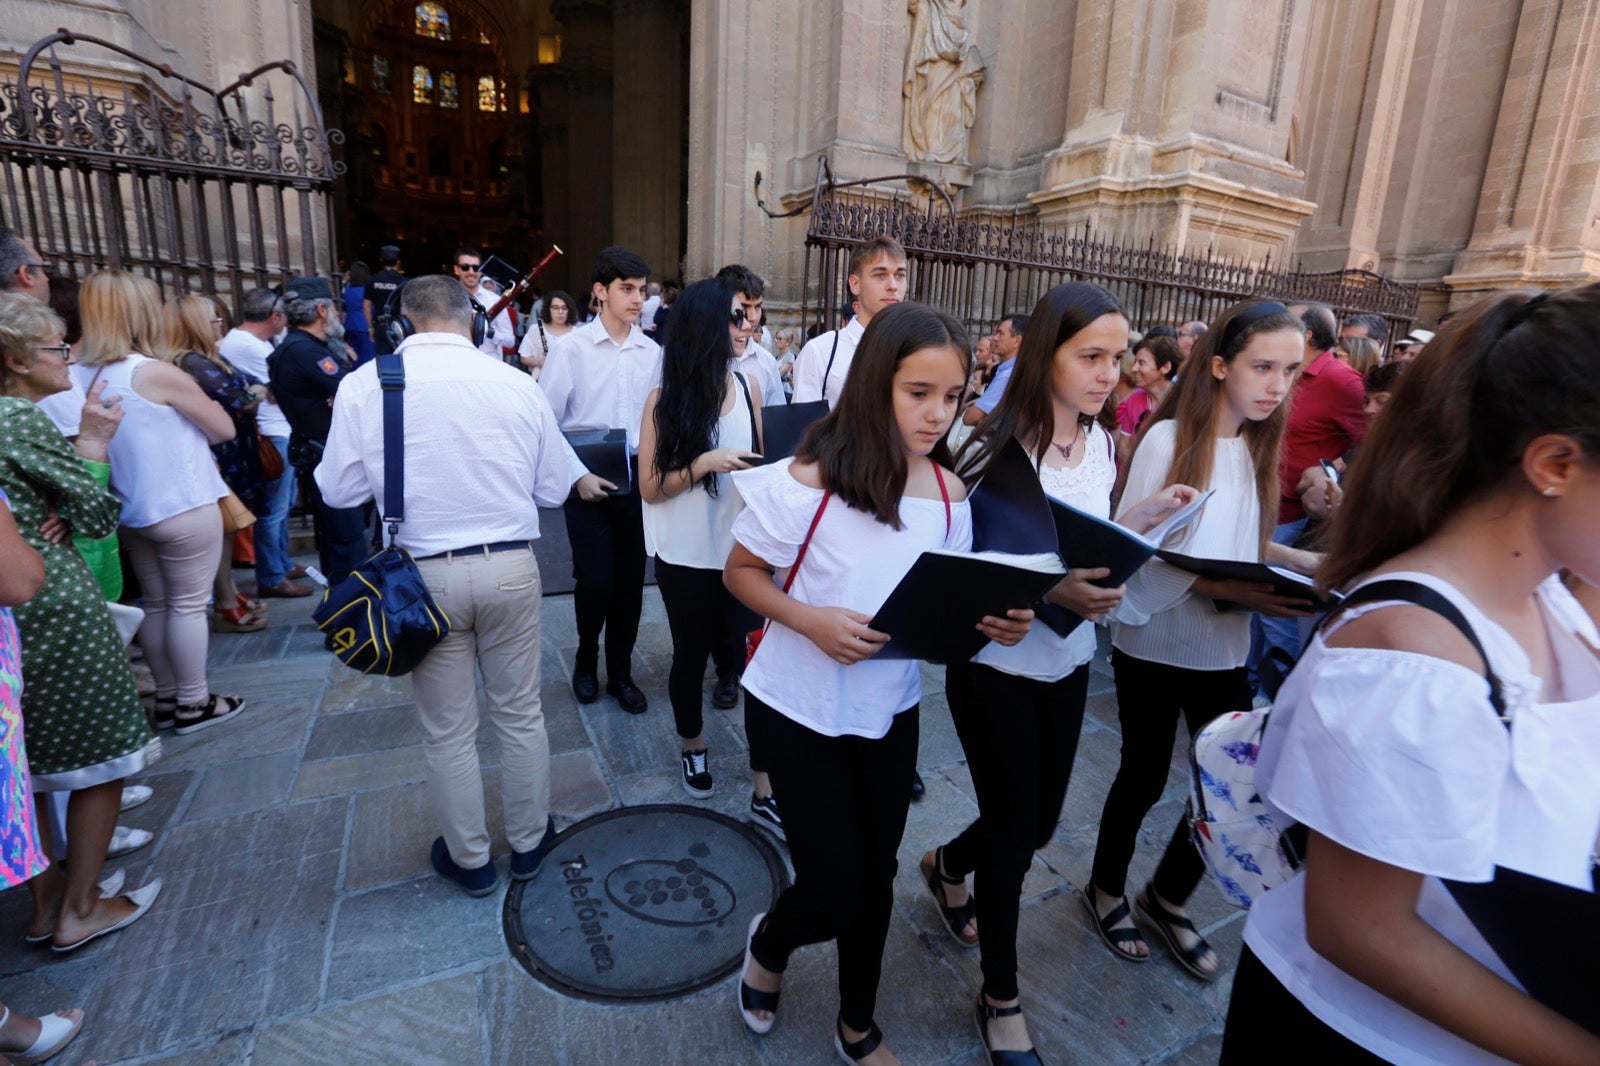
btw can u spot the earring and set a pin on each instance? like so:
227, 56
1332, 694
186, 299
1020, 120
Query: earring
1548, 490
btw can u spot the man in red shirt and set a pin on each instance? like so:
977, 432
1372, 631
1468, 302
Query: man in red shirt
1326, 419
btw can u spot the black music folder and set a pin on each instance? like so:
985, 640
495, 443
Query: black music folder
782, 426
605, 453
1284, 582
934, 612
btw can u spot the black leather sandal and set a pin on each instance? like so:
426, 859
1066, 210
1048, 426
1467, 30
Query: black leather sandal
855, 1050
753, 999
986, 1014
1166, 921
956, 919
1113, 938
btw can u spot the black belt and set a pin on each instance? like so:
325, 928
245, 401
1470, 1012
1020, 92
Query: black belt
481, 549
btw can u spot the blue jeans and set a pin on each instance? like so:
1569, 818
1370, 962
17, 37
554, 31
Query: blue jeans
1267, 633
272, 528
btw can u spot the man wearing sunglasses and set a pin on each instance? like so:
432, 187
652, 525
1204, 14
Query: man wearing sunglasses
502, 333
21, 269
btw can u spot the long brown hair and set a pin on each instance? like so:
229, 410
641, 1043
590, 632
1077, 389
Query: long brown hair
1511, 368
857, 446
1194, 402
1027, 407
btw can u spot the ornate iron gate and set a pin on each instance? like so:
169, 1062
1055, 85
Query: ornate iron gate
982, 269
201, 189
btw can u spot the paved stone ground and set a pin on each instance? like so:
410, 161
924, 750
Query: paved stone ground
300, 922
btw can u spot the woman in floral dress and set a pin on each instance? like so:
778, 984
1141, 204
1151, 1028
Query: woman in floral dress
86, 728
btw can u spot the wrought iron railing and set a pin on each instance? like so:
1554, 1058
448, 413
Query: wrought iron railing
981, 269
199, 188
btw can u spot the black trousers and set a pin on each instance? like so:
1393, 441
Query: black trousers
607, 539
341, 533
1020, 737
706, 622
1151, 697
844, 812
1266, 1024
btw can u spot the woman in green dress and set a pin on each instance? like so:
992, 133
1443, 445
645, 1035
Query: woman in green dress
86, 729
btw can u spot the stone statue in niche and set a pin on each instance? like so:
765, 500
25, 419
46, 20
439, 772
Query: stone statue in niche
943, 69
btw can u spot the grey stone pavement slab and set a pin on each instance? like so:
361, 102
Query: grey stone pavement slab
300, 922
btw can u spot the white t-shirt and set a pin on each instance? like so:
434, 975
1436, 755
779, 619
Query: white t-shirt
853, 561
1159, 619
1045, 655
65, 409
249, 353
759, 366
695, 528
1400, 757
811, 365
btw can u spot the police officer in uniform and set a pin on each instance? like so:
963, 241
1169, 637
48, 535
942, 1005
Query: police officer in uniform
380, 287
306, 371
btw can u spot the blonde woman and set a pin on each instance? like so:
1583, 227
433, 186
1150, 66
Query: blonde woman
193, 327
163, 472
1361, 353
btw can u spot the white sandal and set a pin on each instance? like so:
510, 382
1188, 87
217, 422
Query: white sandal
55, 1032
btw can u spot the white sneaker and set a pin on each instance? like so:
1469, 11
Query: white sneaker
135, 795
124, 840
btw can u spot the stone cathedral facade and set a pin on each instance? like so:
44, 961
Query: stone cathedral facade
1450, 142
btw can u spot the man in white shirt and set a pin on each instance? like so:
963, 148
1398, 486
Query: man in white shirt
247, 347
597, 377
652, 303
482, 454
749, 357
502, 335
877, 279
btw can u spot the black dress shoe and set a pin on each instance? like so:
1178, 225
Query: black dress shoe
918, 789
585, 686
627, 694
726, 694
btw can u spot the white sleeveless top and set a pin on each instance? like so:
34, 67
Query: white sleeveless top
161, 465
1400, 757
695, 528
1045, 655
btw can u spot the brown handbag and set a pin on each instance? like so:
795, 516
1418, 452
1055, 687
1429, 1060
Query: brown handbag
235, 515
268, 459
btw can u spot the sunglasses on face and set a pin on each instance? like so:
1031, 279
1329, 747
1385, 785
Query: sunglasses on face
470, 268
737, 316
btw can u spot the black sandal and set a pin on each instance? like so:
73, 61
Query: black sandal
855, 1050
191, 718
161, 717
956, 919
1112, 937
754, 999
986, 1014
1166, 921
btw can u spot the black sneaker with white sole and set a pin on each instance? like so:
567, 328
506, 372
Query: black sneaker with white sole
697, 774
764, 809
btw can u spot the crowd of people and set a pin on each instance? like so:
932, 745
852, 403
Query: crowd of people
1414, 743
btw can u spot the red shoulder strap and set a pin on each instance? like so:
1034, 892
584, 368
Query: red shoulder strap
944, 494
827, 494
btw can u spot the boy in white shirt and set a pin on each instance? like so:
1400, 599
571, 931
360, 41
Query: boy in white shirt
877, 279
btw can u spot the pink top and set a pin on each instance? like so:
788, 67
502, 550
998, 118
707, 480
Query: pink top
1131, 412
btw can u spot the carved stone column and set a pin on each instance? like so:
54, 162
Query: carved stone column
1538, 219
1165, 141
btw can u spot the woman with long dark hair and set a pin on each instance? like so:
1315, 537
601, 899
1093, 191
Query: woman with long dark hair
867, 492
554, 321
1175, 655
1018, 710
1448, 771
699, 426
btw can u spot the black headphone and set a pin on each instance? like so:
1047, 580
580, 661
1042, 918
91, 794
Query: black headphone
398, 327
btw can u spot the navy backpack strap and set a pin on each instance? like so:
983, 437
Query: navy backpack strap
1414, 592
750, 407
829, 369
392, 377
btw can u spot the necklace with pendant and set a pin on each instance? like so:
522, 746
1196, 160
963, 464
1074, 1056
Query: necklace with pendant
1066, 449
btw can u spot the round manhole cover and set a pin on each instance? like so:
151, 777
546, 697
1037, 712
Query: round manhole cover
643, 903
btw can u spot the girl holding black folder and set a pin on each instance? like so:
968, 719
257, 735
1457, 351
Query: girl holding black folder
1175, 655
1018, 710
868, 491
699, 426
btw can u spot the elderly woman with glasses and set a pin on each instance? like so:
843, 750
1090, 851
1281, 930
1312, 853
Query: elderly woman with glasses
86, 729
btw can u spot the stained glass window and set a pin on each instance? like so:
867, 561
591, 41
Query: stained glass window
380, 74
422, 85
491, 94
433, 21
448, 94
